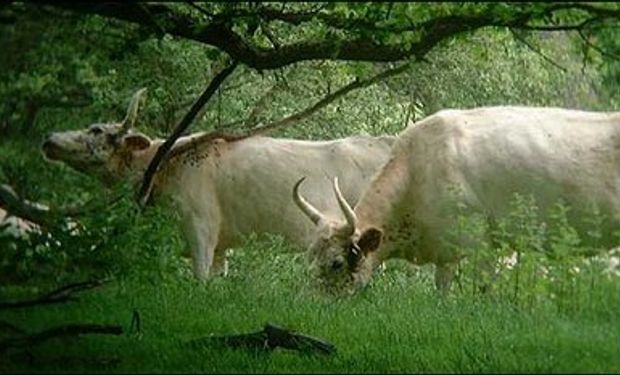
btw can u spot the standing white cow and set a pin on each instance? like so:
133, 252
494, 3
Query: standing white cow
485, 155
225, 190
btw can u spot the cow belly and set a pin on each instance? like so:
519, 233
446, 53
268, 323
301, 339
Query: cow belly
234, 231
580, 175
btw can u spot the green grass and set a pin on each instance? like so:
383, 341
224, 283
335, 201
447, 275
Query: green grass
397, 324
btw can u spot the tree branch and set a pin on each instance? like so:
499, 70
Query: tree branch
219, 31
22, 208
597, 48
537, 51
221, 35
41, 214
289, 120
260, 104
145, 189
356, 84
200, 9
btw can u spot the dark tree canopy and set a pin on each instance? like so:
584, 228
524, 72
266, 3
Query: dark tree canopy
273, 35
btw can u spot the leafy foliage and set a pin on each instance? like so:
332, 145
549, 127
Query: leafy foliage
535, 257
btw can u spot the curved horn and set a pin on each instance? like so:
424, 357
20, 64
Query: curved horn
348, 212
132, 110
303, 204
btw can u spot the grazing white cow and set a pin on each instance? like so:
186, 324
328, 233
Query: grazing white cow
467, 161
226, 189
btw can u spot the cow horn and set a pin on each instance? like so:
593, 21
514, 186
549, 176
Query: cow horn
303, 204
349, 214
132, 110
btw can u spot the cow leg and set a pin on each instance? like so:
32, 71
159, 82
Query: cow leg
220, 263
202, 243
444, 274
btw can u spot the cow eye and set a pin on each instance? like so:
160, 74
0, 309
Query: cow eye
354, 255
355, 249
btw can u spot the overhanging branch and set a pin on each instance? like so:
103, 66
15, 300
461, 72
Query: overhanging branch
537, 51
147, 181
292, 119
219, 31
356, 84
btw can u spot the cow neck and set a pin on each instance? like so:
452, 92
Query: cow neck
376, 204
380, 202
140, 161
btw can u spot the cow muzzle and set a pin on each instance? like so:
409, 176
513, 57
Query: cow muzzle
51, 150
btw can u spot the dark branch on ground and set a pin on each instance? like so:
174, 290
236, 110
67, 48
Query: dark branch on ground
270, 338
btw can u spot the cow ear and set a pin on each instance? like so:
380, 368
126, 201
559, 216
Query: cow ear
136, 142
370, 240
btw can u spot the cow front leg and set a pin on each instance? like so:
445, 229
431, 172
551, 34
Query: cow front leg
444, 274
202, 247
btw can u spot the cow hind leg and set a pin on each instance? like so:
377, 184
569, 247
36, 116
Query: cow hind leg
220, 263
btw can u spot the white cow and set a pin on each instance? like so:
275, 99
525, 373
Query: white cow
467, 161
226, 190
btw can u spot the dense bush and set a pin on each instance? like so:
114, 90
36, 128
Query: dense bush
533, 256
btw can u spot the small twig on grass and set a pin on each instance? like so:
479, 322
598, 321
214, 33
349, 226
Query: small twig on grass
60, 295
136, 326
269, 339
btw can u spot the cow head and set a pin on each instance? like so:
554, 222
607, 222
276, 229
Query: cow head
340, 250
102, 150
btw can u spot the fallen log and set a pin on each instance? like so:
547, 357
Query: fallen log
268, 339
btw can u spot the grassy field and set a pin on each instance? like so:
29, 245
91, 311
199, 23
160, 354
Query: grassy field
397, 324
